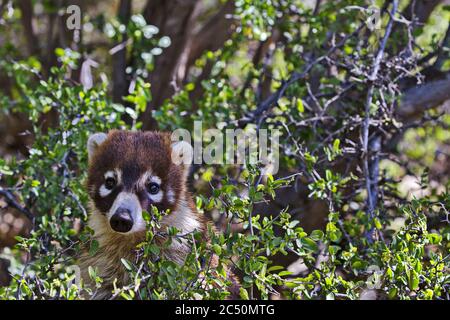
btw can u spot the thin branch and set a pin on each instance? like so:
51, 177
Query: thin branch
270, 102
12, 201
371, 190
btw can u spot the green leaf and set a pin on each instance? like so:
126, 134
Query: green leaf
275, 268
285, 273
316, 235
293, 223
413, 279
243, 294
217, 249
300, 107
92, 272
336, 144
309, 244
93, 248
126, 264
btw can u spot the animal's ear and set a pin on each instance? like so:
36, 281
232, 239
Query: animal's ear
182, 153
94, 141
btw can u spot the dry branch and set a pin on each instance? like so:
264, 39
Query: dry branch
417, 100
12, 201
369, 147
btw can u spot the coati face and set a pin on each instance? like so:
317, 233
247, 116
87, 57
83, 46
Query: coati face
131, 171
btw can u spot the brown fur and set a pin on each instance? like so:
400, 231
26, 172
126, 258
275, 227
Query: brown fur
135, 153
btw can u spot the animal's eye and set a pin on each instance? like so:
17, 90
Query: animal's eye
153, 188
110, 183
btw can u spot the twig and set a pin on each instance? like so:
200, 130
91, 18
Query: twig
11, 200
371, 192
269, 102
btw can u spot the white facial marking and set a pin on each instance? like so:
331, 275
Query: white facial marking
116, 174
159, 196
155, 179
145, 179
109, 174
156, 197
131, 202
170, 195
103, 191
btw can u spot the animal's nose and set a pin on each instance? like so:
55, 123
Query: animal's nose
121, 221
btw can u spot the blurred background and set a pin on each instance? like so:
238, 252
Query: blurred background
324, 73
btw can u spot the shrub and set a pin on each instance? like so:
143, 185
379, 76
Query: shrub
335, 90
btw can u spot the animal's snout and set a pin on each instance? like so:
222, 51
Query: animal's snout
121, 221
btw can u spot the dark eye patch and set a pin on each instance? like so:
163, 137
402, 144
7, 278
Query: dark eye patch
110, 183
153, 187
103, 204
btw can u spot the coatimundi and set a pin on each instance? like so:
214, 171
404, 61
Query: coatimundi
129, 171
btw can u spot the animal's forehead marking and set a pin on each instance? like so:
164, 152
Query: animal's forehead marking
148, 176
131, 171
155, 179
116, 173
109, 174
